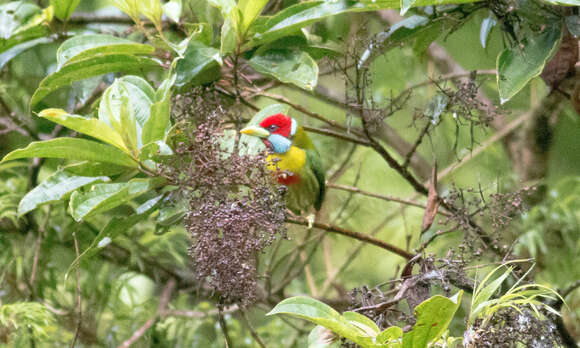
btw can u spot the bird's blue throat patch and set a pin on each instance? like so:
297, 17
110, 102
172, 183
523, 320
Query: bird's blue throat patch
279, 144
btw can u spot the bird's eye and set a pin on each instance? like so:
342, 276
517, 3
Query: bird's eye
272, 128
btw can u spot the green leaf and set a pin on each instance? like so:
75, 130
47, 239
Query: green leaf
172, 10
154, 151
229, 36
250, 10
564, 2
363, 323
64, 8
14, 15
170, 215
404, 30
517, 65
225, 6
73, 149
152, 10
89, 126
321, 314
406, 5
321, 337
433, 317
115, 227
14, 51
387, 336
293, 18
130, 7
53, 189
200, 64
485, 291
436, 106
158, 124
87, 68
90, 168
86, 46
486, 25
126, 107
288, 66
103, 197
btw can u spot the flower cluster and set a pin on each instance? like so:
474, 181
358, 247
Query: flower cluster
235, 207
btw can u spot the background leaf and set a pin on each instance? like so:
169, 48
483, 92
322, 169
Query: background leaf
87, 68
53, 189
63, 9
290, 66
74, 149
516, 66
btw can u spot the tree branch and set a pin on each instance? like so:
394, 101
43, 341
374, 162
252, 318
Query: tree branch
355, 235
161, 313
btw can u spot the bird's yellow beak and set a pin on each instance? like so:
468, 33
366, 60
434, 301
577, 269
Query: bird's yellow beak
255, 131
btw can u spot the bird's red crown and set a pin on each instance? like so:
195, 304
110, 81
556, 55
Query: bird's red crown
278, 124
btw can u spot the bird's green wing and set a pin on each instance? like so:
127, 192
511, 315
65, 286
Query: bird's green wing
315, 165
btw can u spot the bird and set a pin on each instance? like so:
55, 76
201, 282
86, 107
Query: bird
294, 160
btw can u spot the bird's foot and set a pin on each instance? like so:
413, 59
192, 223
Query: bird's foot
310, 218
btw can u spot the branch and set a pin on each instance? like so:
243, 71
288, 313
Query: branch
79, 295
253, 331
355, 235
161, 313
379, 196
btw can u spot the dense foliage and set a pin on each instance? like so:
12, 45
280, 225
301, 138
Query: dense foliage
134, 213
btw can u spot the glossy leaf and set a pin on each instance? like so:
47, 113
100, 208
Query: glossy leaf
130, 7
126, 107
89, 126
564, 2
321, 337
404, 30
229, 36
156, 126
94, 66
54, 188
433, 317
289, 66
15, 14
103, 197
250, 9
516, 66
406, 5
321, 314
117, 226
152, 10
21, 22
73, 149
485, 291
486, 25
63, 9
86, 46
200, 64
363, 323
391, 336
172, 10
91, 168
14, 51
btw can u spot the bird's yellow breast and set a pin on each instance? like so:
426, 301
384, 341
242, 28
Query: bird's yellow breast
292, 160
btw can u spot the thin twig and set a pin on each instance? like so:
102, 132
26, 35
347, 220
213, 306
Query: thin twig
42, 228
161, 313
79, 295
253, 331
224, 327
355, 235
380, 196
